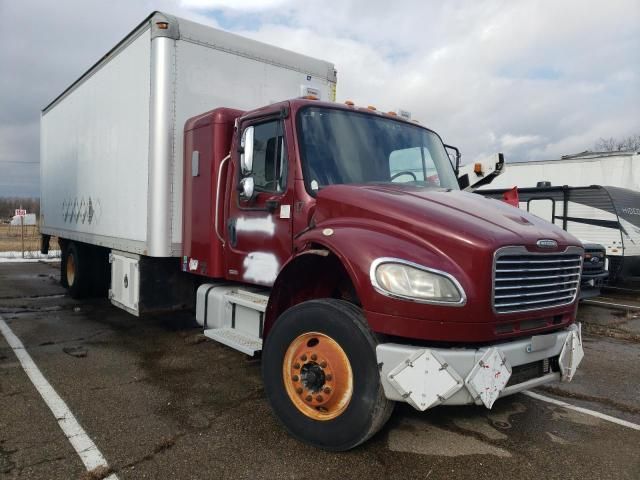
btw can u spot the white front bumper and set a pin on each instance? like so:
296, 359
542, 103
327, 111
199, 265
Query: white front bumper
426, 377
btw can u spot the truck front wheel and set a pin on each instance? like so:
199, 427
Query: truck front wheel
321, 376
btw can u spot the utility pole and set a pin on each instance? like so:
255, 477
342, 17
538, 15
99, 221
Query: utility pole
22, 232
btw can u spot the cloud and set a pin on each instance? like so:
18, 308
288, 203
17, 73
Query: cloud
232, 4
535, 79
511, 141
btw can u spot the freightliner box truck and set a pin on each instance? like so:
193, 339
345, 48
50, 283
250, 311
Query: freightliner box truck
191, 167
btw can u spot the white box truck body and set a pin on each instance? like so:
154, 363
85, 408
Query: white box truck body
111, 144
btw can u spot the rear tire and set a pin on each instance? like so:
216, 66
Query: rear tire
330, 331
75, 274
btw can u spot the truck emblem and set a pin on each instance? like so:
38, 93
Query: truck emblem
595, 260
546, 243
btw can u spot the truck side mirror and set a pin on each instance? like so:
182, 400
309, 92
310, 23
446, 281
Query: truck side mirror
246, 188
246, 155
454, 156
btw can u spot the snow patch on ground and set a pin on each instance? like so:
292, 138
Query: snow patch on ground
33, 256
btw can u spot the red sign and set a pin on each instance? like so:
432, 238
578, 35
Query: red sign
20, 212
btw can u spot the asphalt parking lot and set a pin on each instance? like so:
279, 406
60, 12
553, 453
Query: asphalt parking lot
161, 401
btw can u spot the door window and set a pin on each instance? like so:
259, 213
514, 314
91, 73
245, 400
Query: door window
269, 157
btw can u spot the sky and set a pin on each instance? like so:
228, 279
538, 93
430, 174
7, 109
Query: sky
532, 79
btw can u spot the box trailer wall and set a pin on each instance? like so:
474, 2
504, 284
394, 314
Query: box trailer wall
112, 143
621, 170
94, 154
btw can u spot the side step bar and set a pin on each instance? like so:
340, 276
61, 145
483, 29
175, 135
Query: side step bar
232, 315
237, 340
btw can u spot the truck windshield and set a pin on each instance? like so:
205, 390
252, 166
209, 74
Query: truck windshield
339, 146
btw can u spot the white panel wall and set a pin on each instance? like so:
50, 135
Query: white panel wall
94, 149
208, 78
616, 171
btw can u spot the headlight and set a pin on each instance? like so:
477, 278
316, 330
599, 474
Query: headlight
408, 280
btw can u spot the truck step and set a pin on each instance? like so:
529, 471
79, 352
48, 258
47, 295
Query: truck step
252, 300
236, 339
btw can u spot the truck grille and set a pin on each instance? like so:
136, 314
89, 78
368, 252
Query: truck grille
590, 267
526, 281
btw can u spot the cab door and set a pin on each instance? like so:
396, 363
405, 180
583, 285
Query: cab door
259, 225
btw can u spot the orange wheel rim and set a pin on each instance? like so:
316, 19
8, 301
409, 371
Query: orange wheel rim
71, 269
317, 376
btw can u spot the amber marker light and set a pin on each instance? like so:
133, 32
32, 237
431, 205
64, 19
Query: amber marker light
349, 103
310, 97
371, 107
393, 114
162, 25
477, 168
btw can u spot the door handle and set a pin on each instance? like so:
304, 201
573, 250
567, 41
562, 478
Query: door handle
231, 228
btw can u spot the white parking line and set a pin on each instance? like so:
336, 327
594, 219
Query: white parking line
83, 445
586, 411
611, 304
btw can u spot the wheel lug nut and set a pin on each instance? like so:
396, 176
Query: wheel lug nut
295, 378
323, 364
298, 390
327, 390
303, 358
314, 357
319, 398
308, 399
296, 366
329, 377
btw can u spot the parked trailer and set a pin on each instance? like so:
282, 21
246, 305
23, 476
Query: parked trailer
608, 216
616, 169
332, 239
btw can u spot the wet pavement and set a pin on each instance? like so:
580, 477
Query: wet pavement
161, 401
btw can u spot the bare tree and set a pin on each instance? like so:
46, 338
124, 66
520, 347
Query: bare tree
632, 142
9, 204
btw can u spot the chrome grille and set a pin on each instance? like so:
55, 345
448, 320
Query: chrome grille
590, 267
526, 281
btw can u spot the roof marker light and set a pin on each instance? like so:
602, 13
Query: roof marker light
349, 103
371, 107
393, 114
162, 25
310, 97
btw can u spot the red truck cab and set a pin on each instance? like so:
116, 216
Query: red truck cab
374, 278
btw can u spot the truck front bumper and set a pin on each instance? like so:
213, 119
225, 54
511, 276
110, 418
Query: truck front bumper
425, 377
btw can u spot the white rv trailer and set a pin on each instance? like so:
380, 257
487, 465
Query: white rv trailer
609, 216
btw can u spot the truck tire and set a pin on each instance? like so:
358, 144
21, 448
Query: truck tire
75, 270
321, 375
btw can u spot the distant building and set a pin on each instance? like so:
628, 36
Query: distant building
29, 219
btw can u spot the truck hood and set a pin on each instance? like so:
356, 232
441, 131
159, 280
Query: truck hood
438, 215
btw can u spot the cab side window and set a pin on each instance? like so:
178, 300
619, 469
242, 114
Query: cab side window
269, 157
